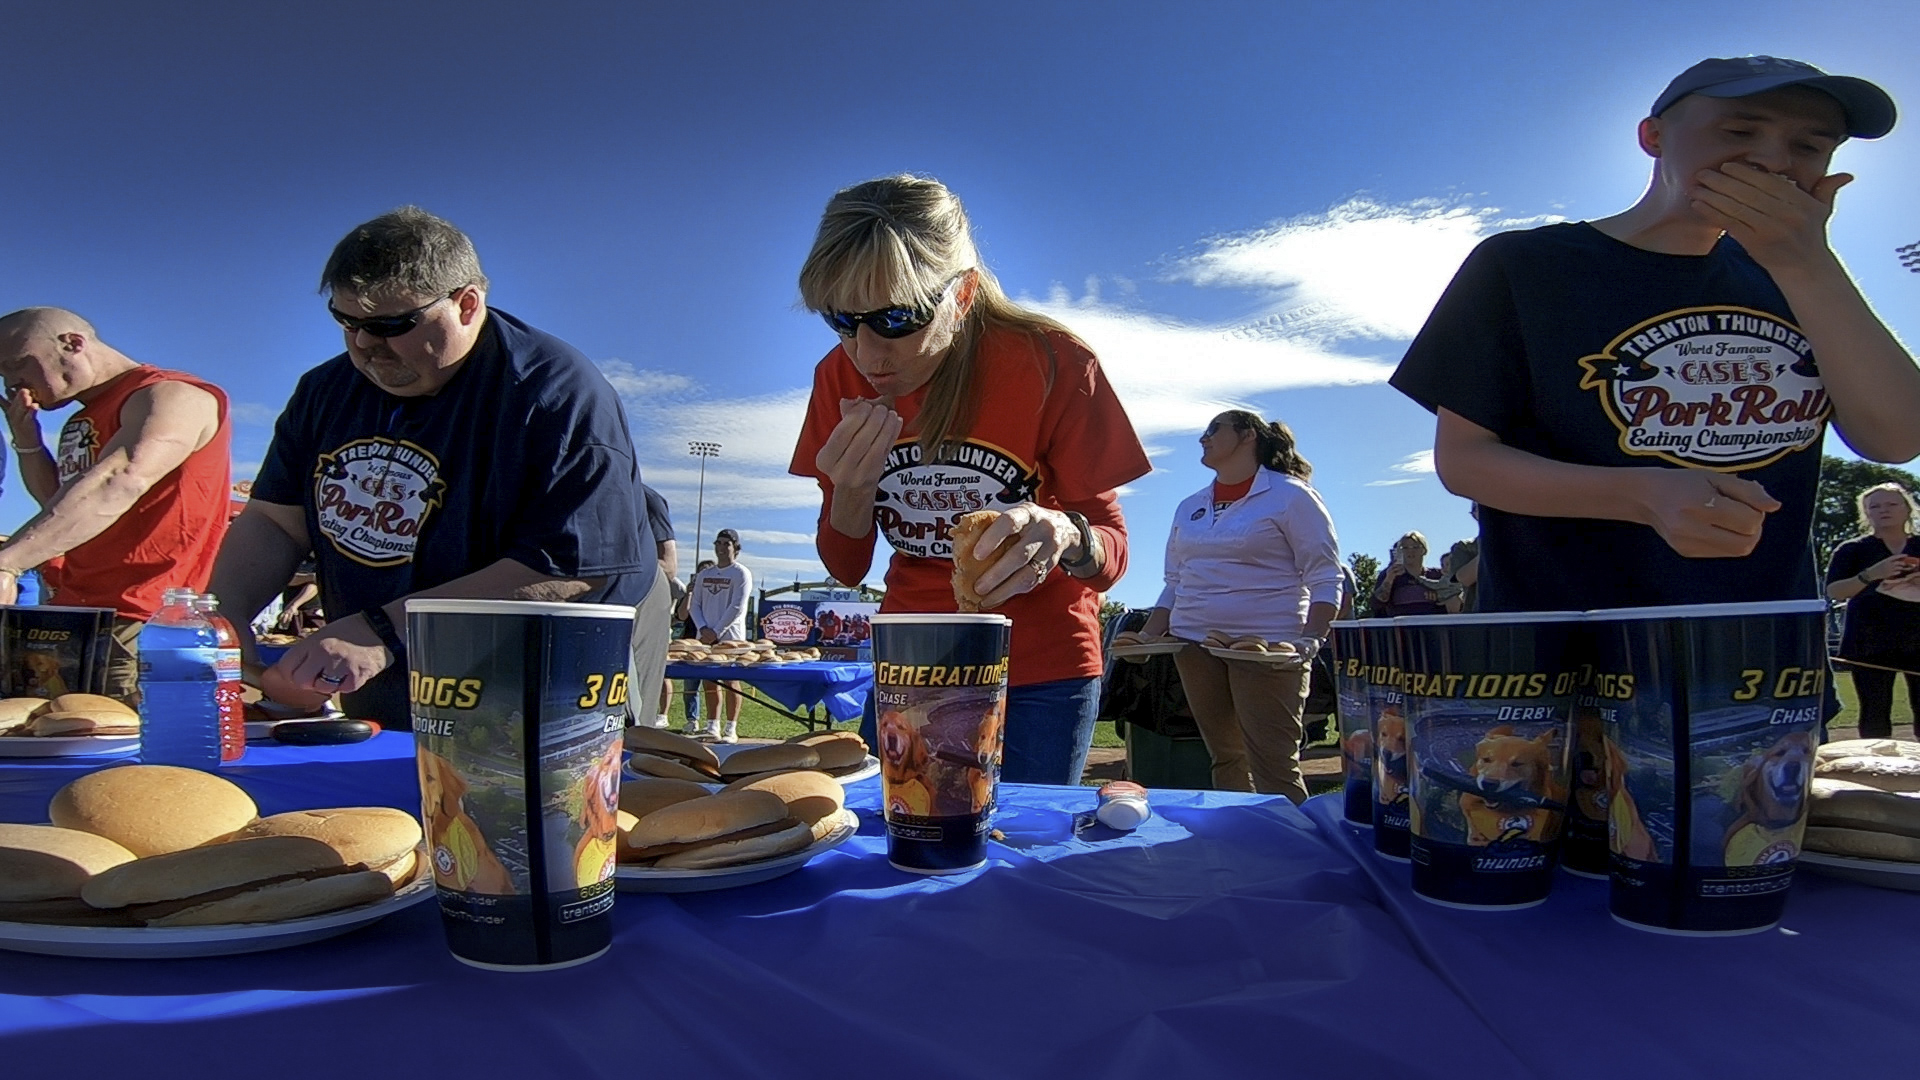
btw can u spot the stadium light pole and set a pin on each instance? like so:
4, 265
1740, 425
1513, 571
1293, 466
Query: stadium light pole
703, 451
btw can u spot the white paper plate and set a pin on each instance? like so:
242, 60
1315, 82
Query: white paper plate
1881, 873
1284, 660
1146, 648
646, 879
170, 942
18, 746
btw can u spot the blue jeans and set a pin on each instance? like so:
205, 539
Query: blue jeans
1049, 728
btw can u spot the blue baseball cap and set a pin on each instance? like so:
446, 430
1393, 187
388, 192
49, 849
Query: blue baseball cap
1869, 110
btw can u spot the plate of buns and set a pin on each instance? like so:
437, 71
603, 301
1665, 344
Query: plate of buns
678, 836
1133, 645
1863, 815
1252, 647
841, 755
69, 725
152, 862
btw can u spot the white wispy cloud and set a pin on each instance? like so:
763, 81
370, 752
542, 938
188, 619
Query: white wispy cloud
1420, 461
1389, 483
1362, 269
636, 382
770, 536
252, 412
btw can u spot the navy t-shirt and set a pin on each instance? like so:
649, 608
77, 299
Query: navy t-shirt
523, 455
658, 521
1574, 346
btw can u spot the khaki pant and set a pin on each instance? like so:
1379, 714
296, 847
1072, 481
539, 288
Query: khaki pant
1249, 716
123, 660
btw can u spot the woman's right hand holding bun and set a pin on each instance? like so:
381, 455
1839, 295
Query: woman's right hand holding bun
853, 457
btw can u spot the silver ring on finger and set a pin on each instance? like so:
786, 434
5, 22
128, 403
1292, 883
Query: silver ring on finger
335, 680
1711, 500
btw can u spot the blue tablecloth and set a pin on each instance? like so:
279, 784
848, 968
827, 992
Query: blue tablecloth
1231, 935
841, 687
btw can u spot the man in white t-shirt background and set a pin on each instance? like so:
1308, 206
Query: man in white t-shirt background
719, 607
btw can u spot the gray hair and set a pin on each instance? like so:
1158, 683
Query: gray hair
407, 252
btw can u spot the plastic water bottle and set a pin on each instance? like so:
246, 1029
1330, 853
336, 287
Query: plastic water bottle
179, 680
233, 707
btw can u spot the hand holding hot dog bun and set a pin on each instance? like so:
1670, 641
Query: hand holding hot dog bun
967, 567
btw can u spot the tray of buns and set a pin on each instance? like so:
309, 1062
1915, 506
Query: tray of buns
1255, 649
649, 879
70, 725
1129, 645
153, 861
660, 753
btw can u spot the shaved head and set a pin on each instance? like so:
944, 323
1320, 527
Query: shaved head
45, 322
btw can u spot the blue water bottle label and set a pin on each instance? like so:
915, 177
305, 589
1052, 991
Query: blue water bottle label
180, 665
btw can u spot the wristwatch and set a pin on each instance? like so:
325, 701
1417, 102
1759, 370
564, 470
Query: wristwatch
1086, 543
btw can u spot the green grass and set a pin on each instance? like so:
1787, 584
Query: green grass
1850, 708
759, 722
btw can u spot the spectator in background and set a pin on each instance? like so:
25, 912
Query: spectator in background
1406, 586
667, 554
134, 499
1252, 554
1461, 565
1878, 574
719, 604
683, 612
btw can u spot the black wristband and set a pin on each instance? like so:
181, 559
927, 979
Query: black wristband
376, 617
1086, 543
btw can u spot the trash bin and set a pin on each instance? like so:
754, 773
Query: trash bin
1148, 707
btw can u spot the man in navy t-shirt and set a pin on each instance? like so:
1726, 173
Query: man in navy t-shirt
1638, 402
451, 451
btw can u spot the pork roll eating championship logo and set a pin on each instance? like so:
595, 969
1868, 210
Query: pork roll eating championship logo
916, 504
1713, 387
373, 496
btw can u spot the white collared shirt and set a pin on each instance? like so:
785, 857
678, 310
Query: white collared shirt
1254, 567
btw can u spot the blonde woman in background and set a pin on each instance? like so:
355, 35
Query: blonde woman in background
1878, 574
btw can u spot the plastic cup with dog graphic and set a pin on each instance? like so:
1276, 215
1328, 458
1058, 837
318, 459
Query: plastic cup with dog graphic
517, 713
1711, 715
1583, 851
1386, 739
52, 651
940, 704
1356, 738
1487, 700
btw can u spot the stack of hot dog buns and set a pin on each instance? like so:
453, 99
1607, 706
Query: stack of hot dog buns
153, 845
68, 714
1866, 800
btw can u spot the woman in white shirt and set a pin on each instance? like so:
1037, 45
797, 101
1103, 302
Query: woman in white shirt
1251, 554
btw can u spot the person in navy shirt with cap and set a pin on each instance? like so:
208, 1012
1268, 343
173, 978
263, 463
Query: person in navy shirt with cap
1638, 403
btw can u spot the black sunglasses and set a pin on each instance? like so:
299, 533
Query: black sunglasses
890, 322
385, 326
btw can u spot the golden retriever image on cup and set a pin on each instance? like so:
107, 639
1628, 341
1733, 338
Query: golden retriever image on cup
43, 674
1506, 765
1390, 758
1626, 834
1770, 794
599, 845
903, 765
462, 860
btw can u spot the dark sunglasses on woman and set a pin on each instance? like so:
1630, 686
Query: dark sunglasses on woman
888, 322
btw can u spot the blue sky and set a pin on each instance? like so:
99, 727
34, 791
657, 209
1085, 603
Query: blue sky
1233, 203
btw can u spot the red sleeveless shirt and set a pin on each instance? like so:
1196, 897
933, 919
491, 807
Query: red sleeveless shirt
169, 537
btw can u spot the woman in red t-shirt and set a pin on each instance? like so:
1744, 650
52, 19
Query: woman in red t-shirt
944, 397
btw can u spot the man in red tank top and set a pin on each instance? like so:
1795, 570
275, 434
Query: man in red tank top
134, 497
